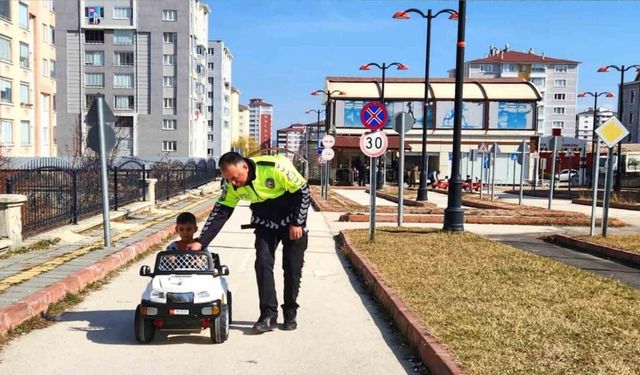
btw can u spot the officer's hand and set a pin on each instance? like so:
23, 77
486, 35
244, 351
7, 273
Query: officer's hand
295, 232
196, 246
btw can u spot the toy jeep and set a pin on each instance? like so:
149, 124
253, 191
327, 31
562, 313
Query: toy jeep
187, 293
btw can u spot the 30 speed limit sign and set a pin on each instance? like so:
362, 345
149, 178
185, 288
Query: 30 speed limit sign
374, 144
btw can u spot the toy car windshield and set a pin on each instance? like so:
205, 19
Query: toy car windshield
168, 262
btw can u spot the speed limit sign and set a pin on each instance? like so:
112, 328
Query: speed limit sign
374, 144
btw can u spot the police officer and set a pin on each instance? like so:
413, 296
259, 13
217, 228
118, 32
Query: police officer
279, 198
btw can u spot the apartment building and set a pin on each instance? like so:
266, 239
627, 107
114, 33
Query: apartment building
556, 81
631, 110
243, 121
260, 122
219, 59
149, 64
28, 73
584, 122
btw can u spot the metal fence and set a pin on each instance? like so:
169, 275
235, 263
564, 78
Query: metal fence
59, 193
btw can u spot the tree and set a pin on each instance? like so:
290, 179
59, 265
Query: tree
247, 145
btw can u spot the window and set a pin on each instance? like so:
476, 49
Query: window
48, 4
52, 35
210, 108
558, 110
25, 133
210, 80
169, 146
168, 81
89, 99
94, 14
5, 9
170, 15
538, 68
94, 36
169, 103
487, 68
23, 16
210, 137
24, 93
123, 59
122, 81
45, 67
210, 65
209, 152
210, 124
522, 68
52, 66
7, 131
95, 58
169, 125
123, 37
508, 67
559, 96
94, 79
24, 55
169, 37
630, 117
561, 68
632, 97
169, 59
557, 124
124, 102
5, 48
560, 83
5, 91
210, 51
539, 82
121, 13
210, 94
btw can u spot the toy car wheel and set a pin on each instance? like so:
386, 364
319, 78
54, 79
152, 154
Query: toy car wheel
143, 328
229, 303
220, 327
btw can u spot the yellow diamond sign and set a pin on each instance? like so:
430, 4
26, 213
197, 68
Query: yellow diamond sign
612, 132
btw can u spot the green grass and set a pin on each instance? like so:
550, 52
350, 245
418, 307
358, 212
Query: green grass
503, 311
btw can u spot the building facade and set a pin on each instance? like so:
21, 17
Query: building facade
555, 79
631, 110
260, 122
219, 100
149, 64
584, 122
235, 114
292, 138
243, 121
28, 74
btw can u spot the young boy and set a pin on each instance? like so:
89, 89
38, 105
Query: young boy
186, 227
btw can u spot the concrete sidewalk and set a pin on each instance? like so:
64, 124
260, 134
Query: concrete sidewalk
341, 330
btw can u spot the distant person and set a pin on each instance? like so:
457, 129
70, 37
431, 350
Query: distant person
413, 173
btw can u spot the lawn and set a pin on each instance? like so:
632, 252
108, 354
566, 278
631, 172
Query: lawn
501, 311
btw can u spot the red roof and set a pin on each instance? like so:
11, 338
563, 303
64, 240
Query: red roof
521, 57
353, 142
421, 80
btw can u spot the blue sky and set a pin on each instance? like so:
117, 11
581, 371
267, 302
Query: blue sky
283, 49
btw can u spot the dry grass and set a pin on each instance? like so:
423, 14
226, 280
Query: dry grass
503, 311
629, 242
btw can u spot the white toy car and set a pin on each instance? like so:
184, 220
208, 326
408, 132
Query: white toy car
187, 293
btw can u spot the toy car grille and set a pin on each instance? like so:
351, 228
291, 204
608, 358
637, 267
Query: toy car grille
184, 262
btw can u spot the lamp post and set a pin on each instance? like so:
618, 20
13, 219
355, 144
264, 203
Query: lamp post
318, 112
328, 126
454, 214
383, 67
403, 15
621, 69
595, 146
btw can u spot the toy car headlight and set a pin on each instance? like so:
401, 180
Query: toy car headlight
203, 294
157, 294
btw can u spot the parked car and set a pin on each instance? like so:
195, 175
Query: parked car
565, 174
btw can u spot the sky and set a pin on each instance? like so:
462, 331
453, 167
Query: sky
283, 49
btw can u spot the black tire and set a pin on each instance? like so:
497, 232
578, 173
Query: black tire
230, 304
219, 329
143, 328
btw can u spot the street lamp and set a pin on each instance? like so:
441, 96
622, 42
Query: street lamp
405, 15
454, 214
595, 146
621, 69
318, 112
383, 67
328, 123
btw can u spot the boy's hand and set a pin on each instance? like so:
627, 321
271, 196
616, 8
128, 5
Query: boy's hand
195, 246
295, 232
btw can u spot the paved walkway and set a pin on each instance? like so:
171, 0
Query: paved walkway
362, 197
341, 330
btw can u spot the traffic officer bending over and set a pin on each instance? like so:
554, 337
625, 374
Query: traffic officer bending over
279, 198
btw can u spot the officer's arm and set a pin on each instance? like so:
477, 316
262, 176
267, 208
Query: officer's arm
219, 215
296, 184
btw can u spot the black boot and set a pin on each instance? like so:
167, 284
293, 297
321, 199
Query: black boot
290, 320
266, 322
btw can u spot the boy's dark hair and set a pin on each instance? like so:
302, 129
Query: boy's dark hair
229, 158
186, 218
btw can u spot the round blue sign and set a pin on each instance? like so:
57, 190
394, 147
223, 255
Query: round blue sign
374, 115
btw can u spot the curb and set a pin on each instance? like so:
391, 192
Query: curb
621, 206
35, 304
595, 249
433, 354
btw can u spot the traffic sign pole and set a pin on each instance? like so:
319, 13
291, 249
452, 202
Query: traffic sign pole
493, 170
594, 194
401, 174
553, 170
523, 155
105, 182
607, 193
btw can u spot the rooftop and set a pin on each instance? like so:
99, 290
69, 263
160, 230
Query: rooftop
505, 55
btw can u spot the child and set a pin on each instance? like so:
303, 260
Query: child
186, 227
